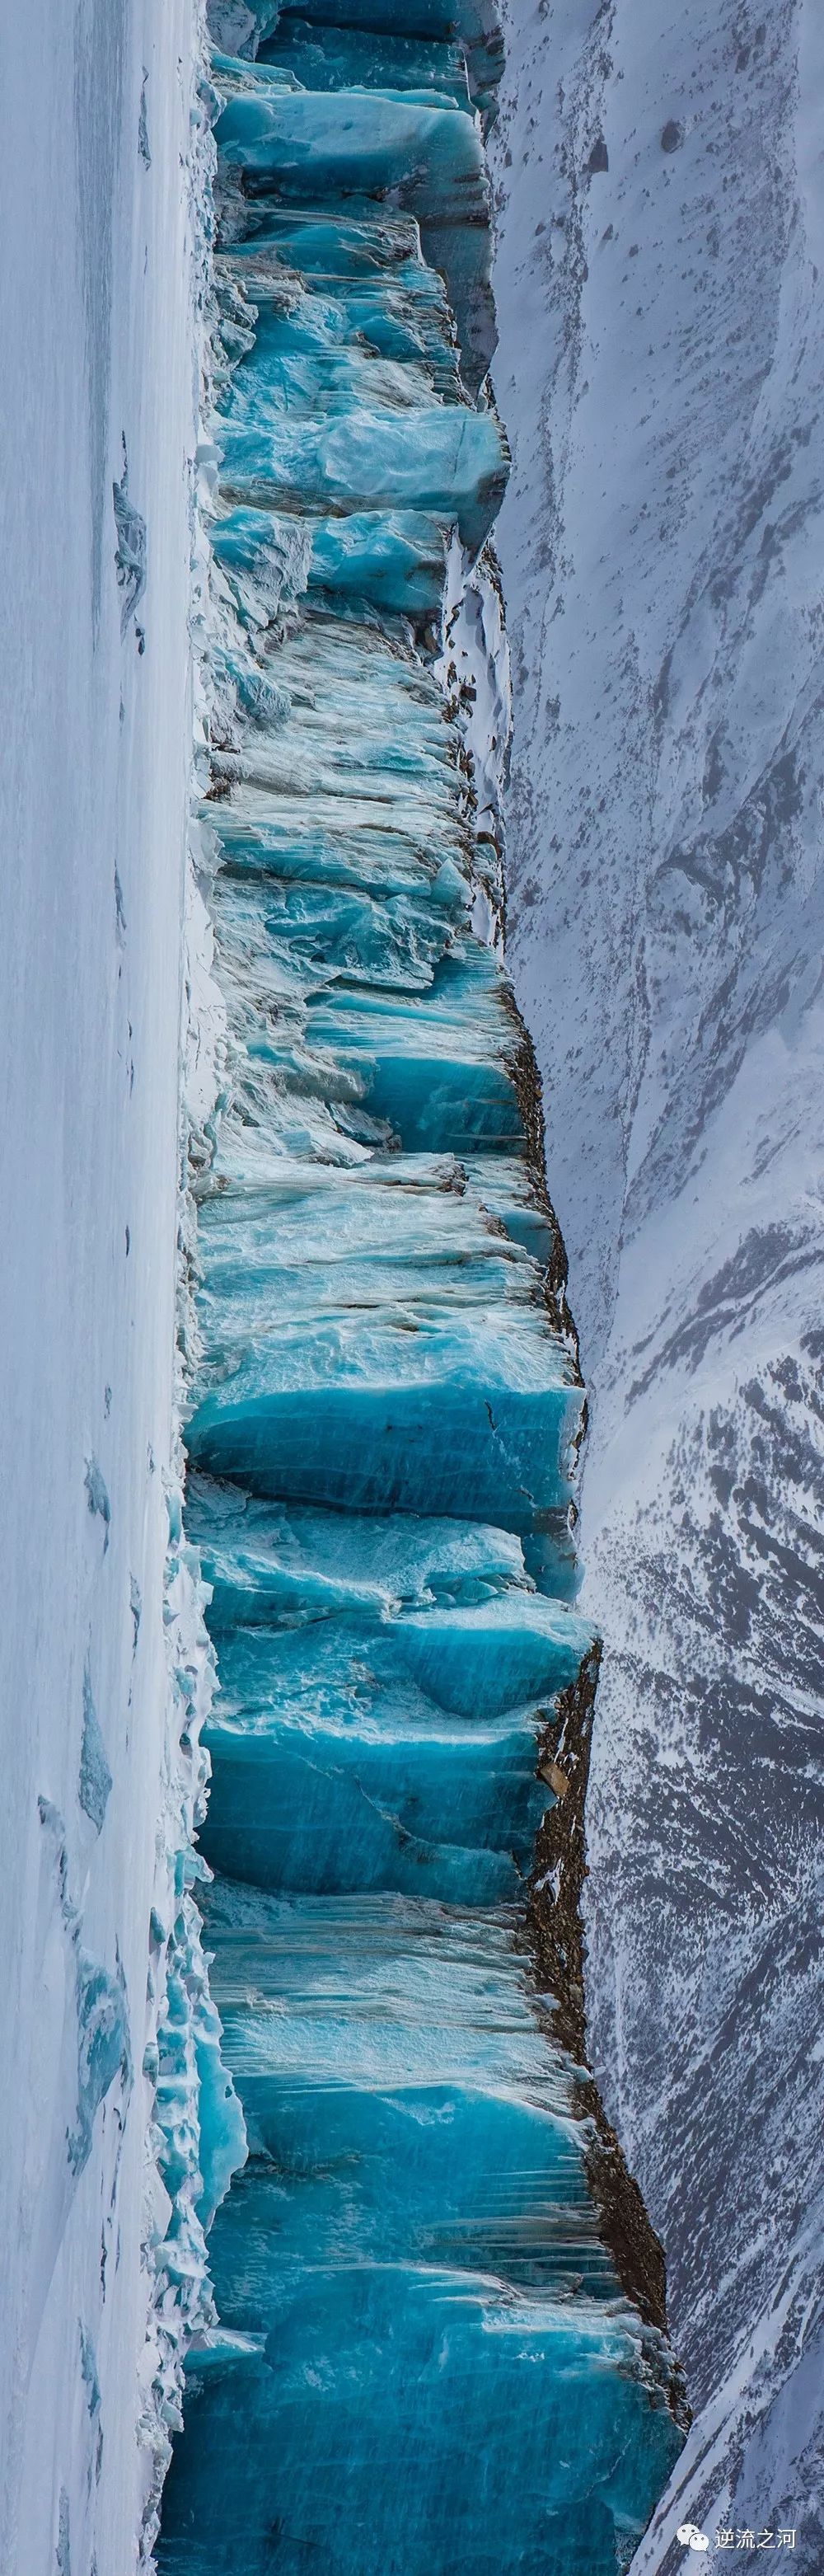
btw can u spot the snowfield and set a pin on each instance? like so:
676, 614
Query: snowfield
660, 208
98, 350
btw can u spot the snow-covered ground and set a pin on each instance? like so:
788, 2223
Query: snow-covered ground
660, 284
97, 349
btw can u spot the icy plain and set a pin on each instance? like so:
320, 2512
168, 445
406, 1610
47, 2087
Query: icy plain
660, 253
98, 349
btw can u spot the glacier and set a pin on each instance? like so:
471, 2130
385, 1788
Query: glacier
386, 1883
659, 197
439, 2335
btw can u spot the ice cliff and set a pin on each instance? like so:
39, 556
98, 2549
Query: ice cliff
660, 252
439, 2298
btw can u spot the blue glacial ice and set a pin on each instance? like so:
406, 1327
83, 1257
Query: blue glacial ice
426, 2359
95, 1783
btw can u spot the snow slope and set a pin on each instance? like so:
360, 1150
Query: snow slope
660, 203
98, 346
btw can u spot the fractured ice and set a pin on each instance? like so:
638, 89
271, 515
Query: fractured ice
425, 2360
95, 1783
130, 551
103, 2048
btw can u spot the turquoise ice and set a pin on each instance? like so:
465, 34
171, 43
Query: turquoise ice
426, 2362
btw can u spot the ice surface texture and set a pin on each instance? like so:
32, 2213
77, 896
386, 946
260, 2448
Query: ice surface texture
424, 2360
102, 277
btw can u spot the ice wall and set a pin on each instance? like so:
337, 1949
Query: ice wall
426, 2357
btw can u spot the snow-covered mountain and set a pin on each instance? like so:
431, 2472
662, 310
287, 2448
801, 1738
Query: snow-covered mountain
660, 277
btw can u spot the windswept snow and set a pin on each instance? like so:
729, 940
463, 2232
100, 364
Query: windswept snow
660, 194
96, 455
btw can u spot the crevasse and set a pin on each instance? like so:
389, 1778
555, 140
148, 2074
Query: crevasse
426, 2360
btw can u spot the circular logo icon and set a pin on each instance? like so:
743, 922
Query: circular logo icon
690, 2536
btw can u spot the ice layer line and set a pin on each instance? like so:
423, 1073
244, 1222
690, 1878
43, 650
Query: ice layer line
425, 2363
